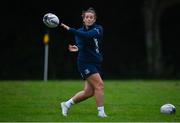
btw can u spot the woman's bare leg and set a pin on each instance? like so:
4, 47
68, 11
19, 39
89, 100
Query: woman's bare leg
78, 97
84, 94
98, 84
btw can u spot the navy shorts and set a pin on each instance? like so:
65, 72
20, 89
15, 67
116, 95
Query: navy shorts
87, 69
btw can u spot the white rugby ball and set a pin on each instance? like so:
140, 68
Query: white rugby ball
51, 20
168, 109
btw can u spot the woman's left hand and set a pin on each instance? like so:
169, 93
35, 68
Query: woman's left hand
73, 48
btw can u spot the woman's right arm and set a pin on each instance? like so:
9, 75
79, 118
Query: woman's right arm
96, 32
65, 26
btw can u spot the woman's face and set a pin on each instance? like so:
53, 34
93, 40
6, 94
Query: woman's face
89, 19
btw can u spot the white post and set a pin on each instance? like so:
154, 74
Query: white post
46, 62
46, 53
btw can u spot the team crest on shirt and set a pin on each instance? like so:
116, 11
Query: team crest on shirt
97, 30
86, 71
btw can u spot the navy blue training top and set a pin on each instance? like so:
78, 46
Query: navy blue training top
89, 42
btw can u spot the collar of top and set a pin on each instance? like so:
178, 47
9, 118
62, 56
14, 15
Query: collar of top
89, 27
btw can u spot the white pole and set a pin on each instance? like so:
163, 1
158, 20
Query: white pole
46, 62
46, 52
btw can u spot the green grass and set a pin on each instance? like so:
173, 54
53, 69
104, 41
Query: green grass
125, 101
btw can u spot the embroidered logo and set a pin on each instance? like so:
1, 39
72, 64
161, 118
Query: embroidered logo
86, 71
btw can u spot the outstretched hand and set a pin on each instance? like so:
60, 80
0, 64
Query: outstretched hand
73, 48
65, 26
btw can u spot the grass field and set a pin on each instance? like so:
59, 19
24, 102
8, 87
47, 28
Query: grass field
125, 101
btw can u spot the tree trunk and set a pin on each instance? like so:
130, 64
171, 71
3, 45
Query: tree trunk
153, 10
150, 7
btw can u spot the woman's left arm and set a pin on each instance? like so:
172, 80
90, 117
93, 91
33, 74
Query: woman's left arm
73, 48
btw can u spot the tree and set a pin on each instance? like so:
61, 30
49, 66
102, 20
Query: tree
153, 10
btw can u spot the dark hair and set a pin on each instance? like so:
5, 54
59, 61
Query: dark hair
91, 10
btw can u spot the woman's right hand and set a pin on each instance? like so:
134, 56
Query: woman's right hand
73, 48
65, 26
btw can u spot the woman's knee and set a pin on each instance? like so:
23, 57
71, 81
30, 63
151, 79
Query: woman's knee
96, 81
88, 93
100, 86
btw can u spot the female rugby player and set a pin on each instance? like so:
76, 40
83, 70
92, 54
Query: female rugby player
88, 45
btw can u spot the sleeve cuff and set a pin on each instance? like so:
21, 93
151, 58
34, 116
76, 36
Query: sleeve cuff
72, 30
